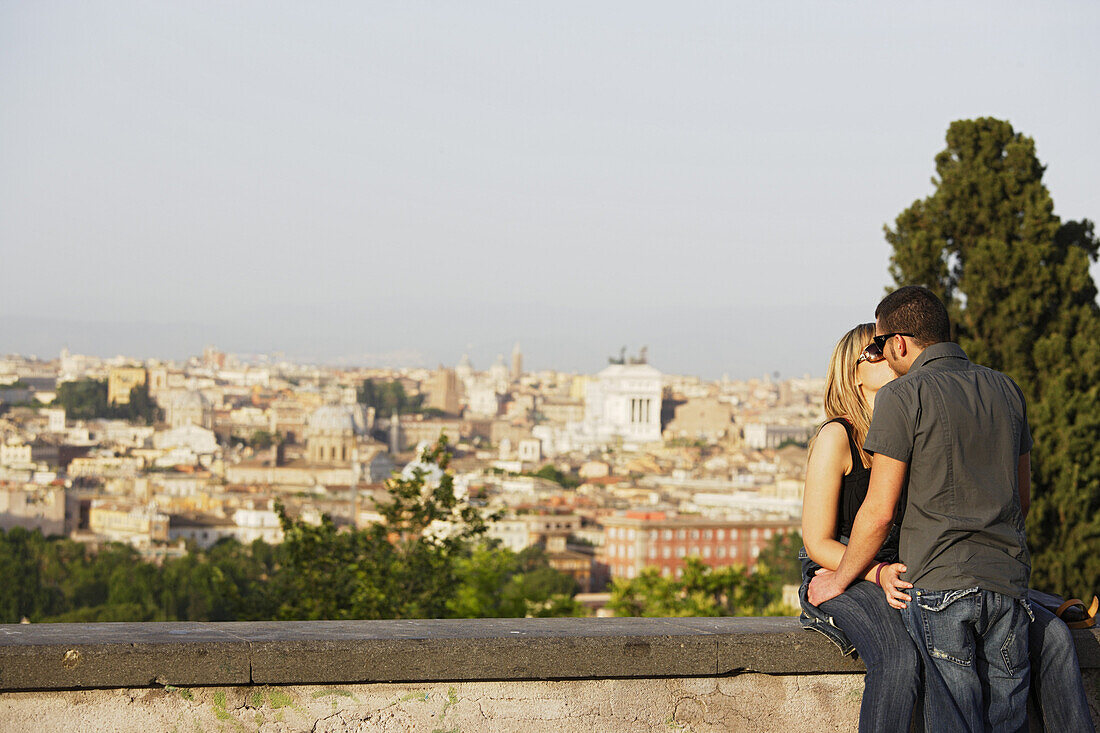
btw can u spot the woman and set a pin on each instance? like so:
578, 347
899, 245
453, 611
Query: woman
837, 476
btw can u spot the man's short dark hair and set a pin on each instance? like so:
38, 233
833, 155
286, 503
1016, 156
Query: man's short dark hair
916, 310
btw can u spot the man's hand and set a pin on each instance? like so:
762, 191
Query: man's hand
893, 586
824, 587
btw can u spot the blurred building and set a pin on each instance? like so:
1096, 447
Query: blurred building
188, 407
636, 540
122, 379
765, 435
517, 363
443, 391
624, 402
333, 434
135, 524
34, 507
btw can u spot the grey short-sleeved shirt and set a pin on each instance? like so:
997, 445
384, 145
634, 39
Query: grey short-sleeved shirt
961, 428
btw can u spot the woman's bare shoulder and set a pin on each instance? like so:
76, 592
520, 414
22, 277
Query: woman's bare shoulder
831, 445
833, 435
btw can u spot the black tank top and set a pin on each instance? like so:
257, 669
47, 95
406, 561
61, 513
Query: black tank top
853, 487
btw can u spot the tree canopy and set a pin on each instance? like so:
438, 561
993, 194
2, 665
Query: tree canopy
1016, 282
387, 396
86, 399
701, 591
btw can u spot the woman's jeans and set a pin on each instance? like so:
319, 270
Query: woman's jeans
893, 664
1056, 681
974, 644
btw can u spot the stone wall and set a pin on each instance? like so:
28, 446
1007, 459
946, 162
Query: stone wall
437, 676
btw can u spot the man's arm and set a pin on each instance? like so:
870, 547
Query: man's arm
869, 531
1023, 473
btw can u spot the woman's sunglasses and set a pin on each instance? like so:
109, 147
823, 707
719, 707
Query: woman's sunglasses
871, 354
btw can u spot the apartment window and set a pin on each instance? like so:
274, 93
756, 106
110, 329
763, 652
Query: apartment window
706, 552
733, 534
767, 534
694, 534
666, 572
755, 552
681, 551
721, 535
666, 552
708, 534
652, 535
679, 572
733, 551
652, 553
667, 534
630, 534
721, 552
681, 534
630, 552
695, 551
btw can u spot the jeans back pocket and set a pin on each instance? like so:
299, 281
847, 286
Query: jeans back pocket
947, 621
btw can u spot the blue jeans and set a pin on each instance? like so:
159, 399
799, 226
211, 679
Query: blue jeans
893, 665
1056, 674
974, 644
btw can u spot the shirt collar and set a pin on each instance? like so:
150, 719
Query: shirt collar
942, 350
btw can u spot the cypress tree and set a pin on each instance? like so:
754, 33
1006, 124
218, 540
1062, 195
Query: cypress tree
1016, 282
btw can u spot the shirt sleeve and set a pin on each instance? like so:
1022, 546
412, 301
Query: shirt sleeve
891, 431
1025, 429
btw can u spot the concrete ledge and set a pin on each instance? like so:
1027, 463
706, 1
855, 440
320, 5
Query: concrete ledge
137, 655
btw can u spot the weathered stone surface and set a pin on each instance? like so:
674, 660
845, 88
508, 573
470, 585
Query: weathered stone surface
745, 703
59, 656
73, 656
770, 645
364, 651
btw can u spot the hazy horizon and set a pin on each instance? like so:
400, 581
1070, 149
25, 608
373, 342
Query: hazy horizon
339, 181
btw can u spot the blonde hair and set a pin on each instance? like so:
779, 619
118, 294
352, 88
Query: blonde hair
843, 397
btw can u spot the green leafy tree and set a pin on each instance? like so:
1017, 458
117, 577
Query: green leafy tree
550, 472
84, 399
780, 557
387, 396
497, 583
1016, 282
701, 591
263, 439
141, 407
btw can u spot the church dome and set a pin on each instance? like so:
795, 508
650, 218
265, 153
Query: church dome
188, 399
336, 419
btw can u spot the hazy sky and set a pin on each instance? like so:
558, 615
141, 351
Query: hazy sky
408, 181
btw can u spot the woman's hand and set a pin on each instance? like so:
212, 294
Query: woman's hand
893, 586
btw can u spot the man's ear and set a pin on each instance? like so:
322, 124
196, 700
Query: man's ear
903, 348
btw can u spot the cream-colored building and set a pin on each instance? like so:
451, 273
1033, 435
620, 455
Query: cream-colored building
623, 403
105, 466
41, 508
706, 418
332, 434
188, 407
443, 391
136, 524
122, 379
16, 455
198, 440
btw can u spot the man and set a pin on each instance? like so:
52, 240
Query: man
960, 432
